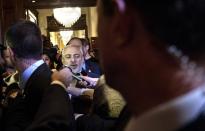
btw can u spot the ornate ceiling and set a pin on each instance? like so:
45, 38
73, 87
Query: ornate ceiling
46, 4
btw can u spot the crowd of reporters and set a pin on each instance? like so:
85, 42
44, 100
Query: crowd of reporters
26, 75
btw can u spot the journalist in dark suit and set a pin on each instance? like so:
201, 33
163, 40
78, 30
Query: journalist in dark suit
153, 52
24, 43
55, 112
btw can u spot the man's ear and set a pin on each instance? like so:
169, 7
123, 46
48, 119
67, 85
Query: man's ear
13, 57
11, 52
87, 47
122, 23
63, 60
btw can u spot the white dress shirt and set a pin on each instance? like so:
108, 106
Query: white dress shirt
28, 72
172, 115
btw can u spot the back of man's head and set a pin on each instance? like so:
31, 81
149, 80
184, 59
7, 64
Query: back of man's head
176, 22
24, 38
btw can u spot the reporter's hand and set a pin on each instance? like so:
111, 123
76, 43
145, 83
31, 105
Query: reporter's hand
64, 76
92, 81
74, 91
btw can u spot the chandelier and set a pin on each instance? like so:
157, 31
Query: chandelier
67, 15
66, 36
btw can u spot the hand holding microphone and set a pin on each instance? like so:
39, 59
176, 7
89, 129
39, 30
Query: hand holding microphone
83, 82
92, 81
64, 76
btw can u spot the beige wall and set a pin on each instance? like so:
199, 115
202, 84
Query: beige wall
43, 13
92, 22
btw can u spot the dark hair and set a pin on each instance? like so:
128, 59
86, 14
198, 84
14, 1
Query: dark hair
108, 7
50, 56
85, 42
176, 22
24, 38
46, 42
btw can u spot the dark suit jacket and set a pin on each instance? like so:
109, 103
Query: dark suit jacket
22, 112
55, 112
93, 122
92, 68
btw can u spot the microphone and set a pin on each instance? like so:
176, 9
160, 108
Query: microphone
73, 75
78, 78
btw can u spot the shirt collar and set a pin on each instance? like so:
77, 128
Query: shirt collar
28, 72
172, 115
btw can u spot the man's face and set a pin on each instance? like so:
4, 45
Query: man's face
73, 58
46, 59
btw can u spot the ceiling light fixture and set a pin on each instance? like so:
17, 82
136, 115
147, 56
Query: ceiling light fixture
67, 15
66, 36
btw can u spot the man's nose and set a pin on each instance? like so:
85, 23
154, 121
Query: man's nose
72, 59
